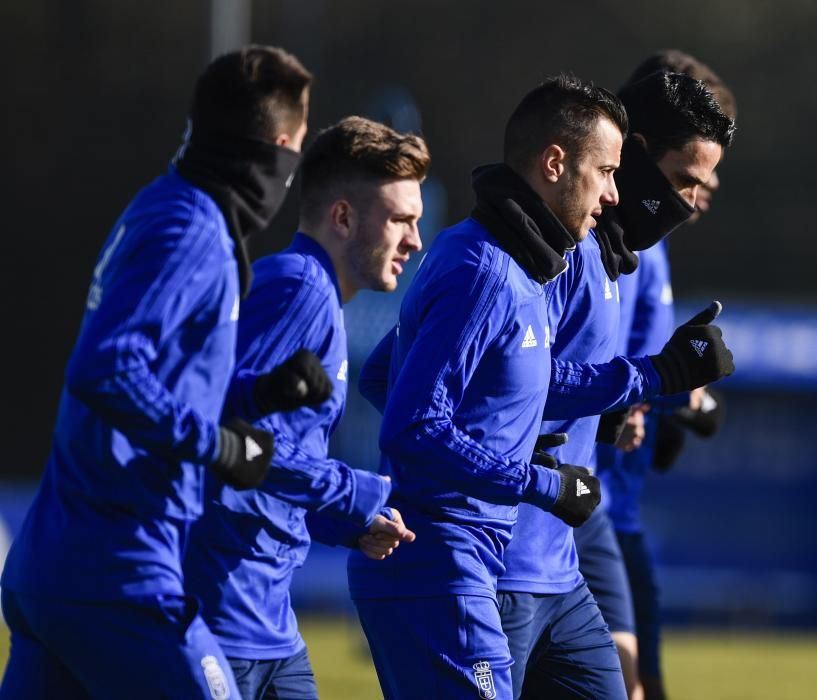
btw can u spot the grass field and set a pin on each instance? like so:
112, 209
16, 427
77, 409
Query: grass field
699, 666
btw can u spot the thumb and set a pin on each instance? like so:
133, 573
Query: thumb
709, 314
548, 440
392, 528
301, 389
403, 533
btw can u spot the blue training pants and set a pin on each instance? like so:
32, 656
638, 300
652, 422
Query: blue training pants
562, 646
150, 647
278, 679
601, 563
447, 647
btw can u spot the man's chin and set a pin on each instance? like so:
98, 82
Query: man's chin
386, 284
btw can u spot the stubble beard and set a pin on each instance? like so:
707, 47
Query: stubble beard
369, 265
570, 213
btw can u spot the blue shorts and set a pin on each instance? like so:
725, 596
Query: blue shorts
641, 571
279, 679
141, 648
561, 645
448, 647
602, 565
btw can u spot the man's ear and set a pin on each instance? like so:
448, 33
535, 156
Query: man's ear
552, 163
282, 140
342, 215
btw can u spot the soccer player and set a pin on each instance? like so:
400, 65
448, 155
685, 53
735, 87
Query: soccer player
647, 313
360, 204
92, 588
468, 372
543, 578
579, 387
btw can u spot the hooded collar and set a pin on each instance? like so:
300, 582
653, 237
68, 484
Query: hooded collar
523, 225
247, 178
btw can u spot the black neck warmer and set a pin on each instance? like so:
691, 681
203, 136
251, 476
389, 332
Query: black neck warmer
248, 179
649, 208
523, 225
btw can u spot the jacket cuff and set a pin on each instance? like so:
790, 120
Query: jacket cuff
652, 380
210, 444
370, 496
543, 487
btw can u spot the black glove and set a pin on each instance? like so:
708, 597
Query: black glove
669, 442
547, 441
579, 490
300, 381
611, 425
706, 420
244, 454
695, 355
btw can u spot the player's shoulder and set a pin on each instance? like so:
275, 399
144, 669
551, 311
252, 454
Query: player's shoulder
295, 269
294, 285
467, 266
466, 252
172, 214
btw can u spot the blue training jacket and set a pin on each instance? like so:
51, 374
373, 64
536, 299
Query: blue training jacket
248, 544
138, 413
647, 322
542, 556
469, 372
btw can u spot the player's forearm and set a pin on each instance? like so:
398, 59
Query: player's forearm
581, 389
668, 404
136, 403
326, 486
439, 452
332, 531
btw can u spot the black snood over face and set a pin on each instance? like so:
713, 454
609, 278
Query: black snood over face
649, 208
523, 225
247, 178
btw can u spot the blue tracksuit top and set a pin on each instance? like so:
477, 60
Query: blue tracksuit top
647, 322
542, 556
245, 549
138, 413
468, 376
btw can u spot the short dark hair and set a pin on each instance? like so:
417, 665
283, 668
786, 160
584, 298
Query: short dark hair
562, 110
258, 92
671, 109
354, 150
676, 61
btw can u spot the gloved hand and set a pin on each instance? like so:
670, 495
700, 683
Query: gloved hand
669, 442
611, 425
548, 441
670, 433
244, 454
695, 354
299, 381
579, 490
705, 420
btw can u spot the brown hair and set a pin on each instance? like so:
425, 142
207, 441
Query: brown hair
357, 149
676, 61
257, 92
